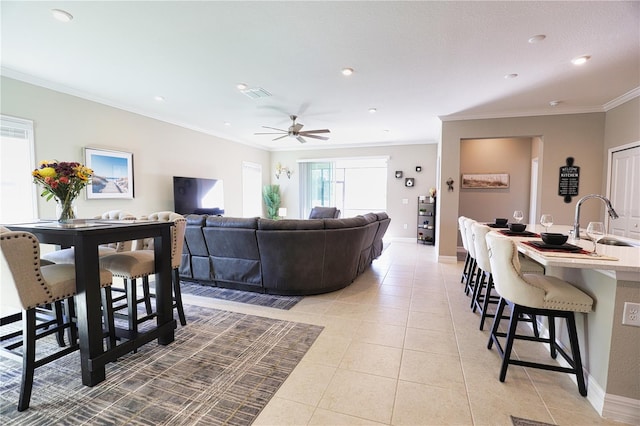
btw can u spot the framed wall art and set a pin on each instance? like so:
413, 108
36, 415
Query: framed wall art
485, 180
112, 173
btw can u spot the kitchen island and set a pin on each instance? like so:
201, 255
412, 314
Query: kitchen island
610, 350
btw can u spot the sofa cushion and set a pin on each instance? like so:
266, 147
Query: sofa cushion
350, 222
233, 222
269, 224
196, 219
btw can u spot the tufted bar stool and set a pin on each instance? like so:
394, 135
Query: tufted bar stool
139, 263
534, 294
483, 295
67, 255
26, 287
470, 282
467, 260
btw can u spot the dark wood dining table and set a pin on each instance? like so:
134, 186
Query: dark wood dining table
85, 237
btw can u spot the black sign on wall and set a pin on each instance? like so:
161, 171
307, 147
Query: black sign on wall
569, 180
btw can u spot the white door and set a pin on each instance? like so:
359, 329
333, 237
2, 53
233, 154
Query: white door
624, 192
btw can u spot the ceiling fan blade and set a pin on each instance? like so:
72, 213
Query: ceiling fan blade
324, 138
298, 127
274, 128
301, 139
317, 131
281, 137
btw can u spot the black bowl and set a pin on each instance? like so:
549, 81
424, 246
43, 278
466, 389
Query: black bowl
554, 239
501, 221
517, 227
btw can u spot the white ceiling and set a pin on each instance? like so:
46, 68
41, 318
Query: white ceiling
416, 62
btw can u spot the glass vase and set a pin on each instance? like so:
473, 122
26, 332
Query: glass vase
66, 211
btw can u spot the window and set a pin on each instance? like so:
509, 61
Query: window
354, 185
251, 189
18, 199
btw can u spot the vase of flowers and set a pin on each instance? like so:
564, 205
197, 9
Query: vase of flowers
62, 181
432, 195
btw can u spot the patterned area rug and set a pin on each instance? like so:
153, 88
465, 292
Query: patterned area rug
222, 368
272, 301
517, 421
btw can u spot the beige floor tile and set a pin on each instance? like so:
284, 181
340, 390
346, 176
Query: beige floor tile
284, 412
384, 315
420, 404
380, 334
580, 418
432, 369
340, 326
435, 341
346, 310
325, 417
372, 359
396, 290
428, 304
328, 349
306, 383
430, 321
361, 395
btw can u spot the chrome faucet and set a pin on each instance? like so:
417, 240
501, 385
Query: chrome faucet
576, 225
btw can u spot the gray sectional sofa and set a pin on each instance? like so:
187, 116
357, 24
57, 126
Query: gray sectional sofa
288, 257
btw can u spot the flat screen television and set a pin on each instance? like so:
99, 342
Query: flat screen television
198, 195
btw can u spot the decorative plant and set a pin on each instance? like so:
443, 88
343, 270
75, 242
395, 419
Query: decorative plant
271, 196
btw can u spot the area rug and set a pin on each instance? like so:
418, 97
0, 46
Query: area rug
271, 301
517, 421
223, 368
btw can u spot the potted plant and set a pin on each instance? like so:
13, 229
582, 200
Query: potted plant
271, 196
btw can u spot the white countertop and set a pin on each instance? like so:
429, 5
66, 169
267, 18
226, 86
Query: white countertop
628, 258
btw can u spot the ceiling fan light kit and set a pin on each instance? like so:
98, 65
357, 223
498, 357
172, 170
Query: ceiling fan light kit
295, 132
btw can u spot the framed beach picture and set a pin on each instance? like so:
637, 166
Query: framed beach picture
485, 180
112, 173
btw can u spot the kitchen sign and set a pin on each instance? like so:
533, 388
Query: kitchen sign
569, 180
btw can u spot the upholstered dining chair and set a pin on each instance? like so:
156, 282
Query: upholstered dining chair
26, 287
534, 294
467, 260
139, 263
319, 212
68, 255
471, 275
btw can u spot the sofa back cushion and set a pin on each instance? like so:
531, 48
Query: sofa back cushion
289, 224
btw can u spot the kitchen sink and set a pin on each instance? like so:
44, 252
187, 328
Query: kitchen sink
609, 241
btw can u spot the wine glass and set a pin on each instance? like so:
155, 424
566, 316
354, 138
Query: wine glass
518, 215
546, 220
595, 231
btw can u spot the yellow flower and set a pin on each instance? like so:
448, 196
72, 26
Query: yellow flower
47, 172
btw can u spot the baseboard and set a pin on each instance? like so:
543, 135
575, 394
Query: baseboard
621, 409
612, 407
447, 259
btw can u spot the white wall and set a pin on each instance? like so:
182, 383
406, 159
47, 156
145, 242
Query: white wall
64, 125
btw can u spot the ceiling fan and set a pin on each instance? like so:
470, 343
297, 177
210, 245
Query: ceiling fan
295, 131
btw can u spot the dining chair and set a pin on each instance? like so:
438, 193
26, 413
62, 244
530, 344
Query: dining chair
140, 263
26, 287
470, 280
67, 255
539, 295
467, 260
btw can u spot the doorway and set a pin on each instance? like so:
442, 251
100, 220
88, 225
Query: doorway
624, 190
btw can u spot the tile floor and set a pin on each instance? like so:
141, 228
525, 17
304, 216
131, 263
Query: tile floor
401, 347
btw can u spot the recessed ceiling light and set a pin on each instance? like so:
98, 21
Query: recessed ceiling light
226, 123
347, 71
537, 38
241, 86
509, 76
159, 98
372, 110
554, 103
61, 15
580, 60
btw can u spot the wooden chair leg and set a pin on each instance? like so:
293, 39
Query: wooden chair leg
146, 294
177, 294
58, 311
575, 352
513, 324
28, 357
107, 315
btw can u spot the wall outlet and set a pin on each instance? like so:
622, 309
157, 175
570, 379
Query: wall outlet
405, 226
631, 314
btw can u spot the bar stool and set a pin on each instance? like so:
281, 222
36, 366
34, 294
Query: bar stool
26, 287
471, 278
467, 260
535, 295
484, 278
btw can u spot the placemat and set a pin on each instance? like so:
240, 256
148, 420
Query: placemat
582, 254
526, 234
